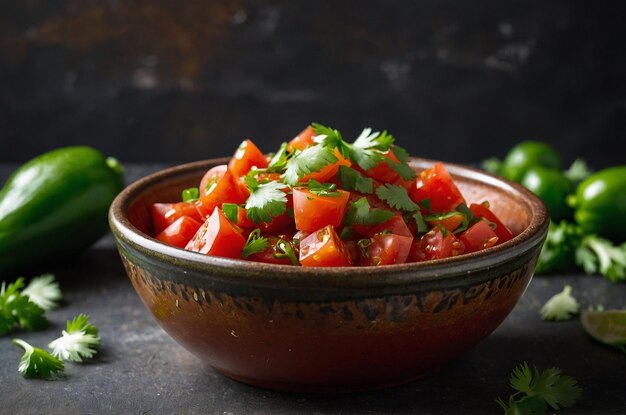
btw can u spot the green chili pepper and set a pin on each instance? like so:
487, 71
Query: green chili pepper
527, 154
600, 203
56, 205
552, 187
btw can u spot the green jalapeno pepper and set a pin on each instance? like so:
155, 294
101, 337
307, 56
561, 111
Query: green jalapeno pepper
56, 205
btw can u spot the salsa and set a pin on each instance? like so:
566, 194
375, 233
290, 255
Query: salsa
322, 201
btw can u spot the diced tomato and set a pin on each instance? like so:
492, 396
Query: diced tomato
218, 237
224, 190
211, 176
385, 249
180, 232
302, 140
437, 185
278, 222
383, 171
482, 211
313, 211
407, 184
449, 223
352, 247
323, 248
268, 255
327, 172
247, 156
395, 225
434, 245
478, 236
164, 214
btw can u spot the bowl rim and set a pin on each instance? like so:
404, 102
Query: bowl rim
353, 276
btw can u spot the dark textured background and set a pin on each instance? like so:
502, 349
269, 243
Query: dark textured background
176, 81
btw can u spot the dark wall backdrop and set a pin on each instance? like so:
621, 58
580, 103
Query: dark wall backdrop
175, 81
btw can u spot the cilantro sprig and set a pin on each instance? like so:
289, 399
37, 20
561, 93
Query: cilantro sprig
397, 197
266, 200
312, 159
537, 391
79, 340
43, 291
353, 180
37, 362
255, 244
322, 189
16, 309
361, 213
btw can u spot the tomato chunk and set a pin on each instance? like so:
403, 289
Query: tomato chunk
210, 177
323, 248
218, 237
386, 249
164, 214
327, 172
302, 140
223, 189
383, 171
436, 185
482, 211
180, 232
434, 245
269, 255
396, 225
313, 211
478, 236
247, 156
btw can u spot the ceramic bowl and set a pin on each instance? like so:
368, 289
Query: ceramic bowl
328, 329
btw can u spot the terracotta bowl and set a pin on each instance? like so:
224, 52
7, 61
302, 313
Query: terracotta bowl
328, 329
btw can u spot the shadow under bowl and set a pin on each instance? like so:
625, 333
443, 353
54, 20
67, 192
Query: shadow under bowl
328, 329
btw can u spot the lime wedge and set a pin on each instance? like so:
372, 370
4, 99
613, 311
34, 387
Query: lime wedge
608, 327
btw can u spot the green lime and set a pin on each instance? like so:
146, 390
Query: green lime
608, 327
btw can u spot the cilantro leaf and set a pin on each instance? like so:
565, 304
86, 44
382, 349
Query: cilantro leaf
559, 249
353, 180
266, 200
311, 159
402, 168
17, 309
361, 213
366, 151
599, 255
255, 243
43, 291
37, 362
397, 197
422, 225
79, 340
540, 390
561, 306
278, 162
323, 189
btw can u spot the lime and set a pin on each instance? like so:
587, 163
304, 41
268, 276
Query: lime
608, 327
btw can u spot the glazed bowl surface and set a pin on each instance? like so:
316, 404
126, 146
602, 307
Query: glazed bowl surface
328, 329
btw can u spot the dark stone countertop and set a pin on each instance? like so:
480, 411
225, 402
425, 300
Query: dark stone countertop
140, 369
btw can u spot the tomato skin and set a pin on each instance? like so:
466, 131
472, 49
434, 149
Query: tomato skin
247, 156
436, 184
434, 245
180, 232
302, 140
479, 236
211, 176
383, 172
324, 248
218, 237
164, 214
396, 225
313, 212
386, 249
502, 232
329, 171
224, 190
